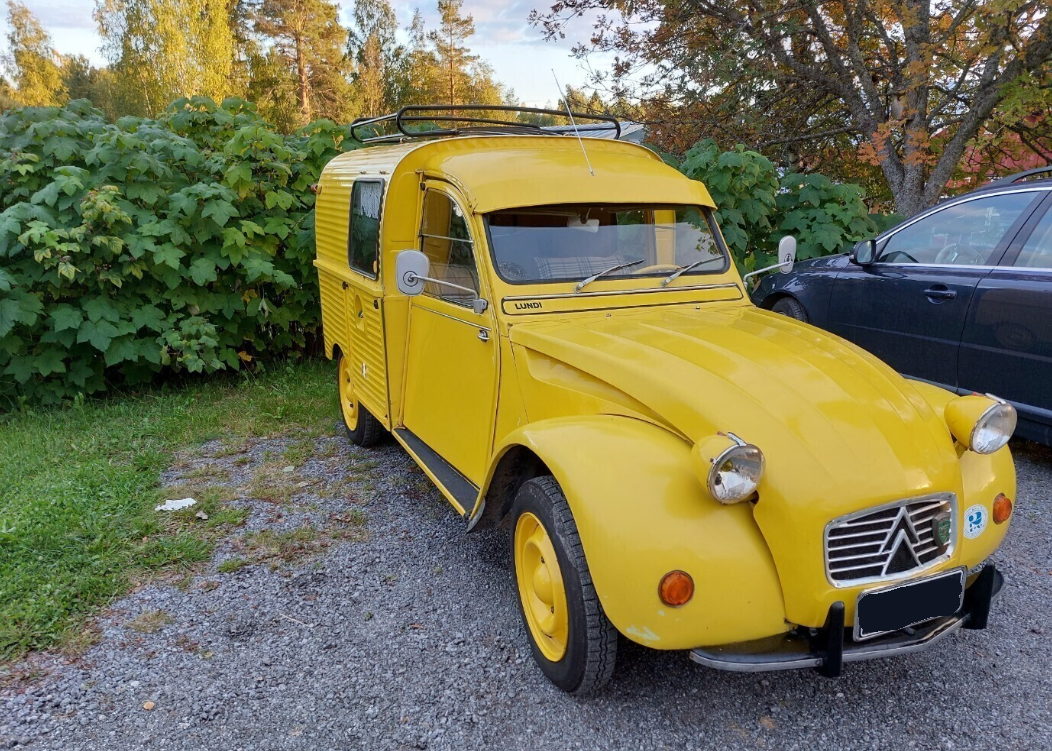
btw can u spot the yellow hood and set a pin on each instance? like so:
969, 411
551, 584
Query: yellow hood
840, 430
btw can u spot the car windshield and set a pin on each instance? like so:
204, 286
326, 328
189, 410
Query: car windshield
575, 242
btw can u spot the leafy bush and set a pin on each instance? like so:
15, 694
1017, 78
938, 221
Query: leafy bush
129, 249
756, 208
824, 217
744, 185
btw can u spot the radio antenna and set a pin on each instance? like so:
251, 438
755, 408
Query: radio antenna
574, 124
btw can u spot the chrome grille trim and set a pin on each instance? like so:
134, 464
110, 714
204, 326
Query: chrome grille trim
859, 547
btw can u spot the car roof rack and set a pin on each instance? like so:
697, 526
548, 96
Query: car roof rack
1020, 177
471, 119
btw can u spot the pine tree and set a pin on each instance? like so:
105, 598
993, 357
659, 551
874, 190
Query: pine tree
32, 62
454, 57
306, 49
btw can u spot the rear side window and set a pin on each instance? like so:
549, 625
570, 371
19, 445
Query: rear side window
363, 240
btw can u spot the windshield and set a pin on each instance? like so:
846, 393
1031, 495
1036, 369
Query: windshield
574, 242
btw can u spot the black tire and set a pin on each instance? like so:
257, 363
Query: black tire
791, 307
591, 646
368, 431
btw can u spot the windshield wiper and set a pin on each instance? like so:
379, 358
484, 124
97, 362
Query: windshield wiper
684, 269
604, 272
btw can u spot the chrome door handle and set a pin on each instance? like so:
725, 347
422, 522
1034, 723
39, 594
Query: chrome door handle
940, 293
483, 335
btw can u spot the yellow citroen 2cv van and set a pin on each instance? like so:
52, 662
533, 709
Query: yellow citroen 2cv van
552, 327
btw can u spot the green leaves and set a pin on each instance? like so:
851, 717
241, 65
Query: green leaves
143, 246
825, 218
755, 208
97, 333
203, 271
220, 211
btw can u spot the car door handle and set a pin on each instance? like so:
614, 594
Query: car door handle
939, 292
483, 335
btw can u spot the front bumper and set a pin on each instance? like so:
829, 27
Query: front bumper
828, 648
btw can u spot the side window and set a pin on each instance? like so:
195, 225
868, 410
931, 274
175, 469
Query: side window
445, 240
1037, 253
966, 234
363, 239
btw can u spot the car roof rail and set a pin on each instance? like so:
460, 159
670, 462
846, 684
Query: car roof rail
1020, 177
471, 119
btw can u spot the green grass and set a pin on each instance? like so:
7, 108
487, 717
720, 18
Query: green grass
78, 487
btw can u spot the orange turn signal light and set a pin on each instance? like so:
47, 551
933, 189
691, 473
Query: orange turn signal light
676, 588
1002, 508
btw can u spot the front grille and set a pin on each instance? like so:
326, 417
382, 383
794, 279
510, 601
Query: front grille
889, 541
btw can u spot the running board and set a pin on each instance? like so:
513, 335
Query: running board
459, 489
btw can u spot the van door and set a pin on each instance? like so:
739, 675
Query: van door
451, 361
363, 298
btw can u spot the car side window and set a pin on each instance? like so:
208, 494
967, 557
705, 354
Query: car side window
965, 234
363, 239
1037, 252
445, 240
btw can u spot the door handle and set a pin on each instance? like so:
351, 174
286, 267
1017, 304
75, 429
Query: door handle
939, 292
483, 335
346, 285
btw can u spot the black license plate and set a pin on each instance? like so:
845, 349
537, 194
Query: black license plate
879, 611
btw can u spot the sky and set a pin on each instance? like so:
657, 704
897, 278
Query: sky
517, 51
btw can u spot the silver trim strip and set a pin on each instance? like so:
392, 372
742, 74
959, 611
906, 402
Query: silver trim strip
702, 658
957, 202
611, 293
856, 655
473, 324
469, 241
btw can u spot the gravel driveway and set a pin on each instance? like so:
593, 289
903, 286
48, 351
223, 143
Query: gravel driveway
350, 611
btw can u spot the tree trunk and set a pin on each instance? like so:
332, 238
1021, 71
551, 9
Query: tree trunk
304, 81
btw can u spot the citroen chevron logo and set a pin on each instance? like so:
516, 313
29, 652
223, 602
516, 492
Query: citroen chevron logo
898, 545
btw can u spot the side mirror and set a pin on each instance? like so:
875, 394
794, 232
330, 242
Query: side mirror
864, 252
786, 258
786, 254
411, 267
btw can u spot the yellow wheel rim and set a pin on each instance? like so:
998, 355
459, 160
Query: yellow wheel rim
348, 401
541, 587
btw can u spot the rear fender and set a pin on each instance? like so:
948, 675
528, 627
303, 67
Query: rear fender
641, 512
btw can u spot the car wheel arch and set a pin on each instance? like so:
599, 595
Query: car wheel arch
516, 465
620, 512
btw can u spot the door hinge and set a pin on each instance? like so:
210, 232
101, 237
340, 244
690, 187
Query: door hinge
346, 285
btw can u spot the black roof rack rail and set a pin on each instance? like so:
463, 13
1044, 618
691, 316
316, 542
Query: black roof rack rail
1017, 178
463, 124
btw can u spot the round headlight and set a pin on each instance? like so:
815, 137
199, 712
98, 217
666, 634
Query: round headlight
993, 428
982, 424
735, 473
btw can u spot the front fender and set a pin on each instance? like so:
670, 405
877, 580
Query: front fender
641, 512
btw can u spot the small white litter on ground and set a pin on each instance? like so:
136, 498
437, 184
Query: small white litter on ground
176, 505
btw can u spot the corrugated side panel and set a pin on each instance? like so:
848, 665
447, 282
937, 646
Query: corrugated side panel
333, 311
331, 222
367, 347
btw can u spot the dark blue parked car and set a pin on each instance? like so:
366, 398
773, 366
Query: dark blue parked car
959, 295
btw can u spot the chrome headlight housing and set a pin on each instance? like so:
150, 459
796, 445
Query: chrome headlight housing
983, 424
730, 468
